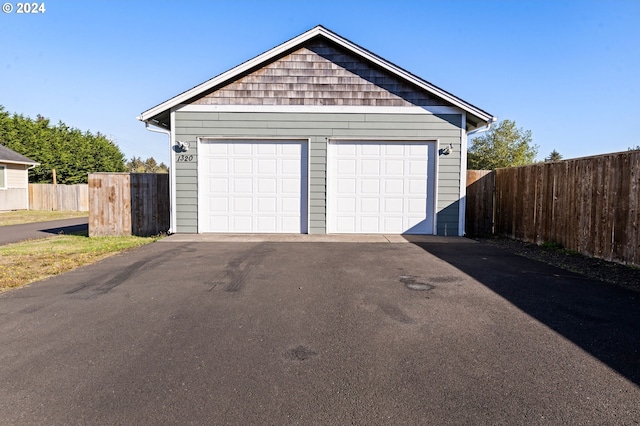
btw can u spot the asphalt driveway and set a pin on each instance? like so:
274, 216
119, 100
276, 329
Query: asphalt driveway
319, 333
16, 233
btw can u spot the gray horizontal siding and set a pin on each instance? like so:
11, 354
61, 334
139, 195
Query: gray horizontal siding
318, 128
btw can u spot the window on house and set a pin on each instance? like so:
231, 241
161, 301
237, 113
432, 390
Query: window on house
3, 177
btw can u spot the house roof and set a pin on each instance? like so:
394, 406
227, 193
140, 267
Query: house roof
159, 115
9, 156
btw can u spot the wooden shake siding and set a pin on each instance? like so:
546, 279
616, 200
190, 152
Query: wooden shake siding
318, 128
319, 74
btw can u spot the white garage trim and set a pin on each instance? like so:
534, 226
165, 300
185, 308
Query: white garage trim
253, 185
381, 186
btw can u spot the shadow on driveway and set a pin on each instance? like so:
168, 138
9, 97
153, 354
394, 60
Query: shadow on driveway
602, 319
67, 229
16, 233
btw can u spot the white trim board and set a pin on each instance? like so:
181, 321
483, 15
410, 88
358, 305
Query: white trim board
3, 171
353, 109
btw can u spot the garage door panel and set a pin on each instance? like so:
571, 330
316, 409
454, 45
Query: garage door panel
220, 165
218, 223
267, 149
417, 187
393, 186
394, 168
290, 168
242, 223
393, 224
267, 185
346, 186
345, 224
417, 206
369, 205
417, 168
370, 167
253, 186
219, 185
219, 204
289, 205
266, 223
369, 186
267, 166
242, 148
370, 224
394, 150
242, 186
380, 187
344, 149
347, 167
393, 205
267, 205
346, 205
242, 166
214, 149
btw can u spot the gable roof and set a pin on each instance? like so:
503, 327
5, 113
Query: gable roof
9, 156
158, 115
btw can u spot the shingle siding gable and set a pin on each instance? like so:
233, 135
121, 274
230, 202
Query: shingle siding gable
317, 74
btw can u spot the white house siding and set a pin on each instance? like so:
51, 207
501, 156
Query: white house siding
318, 129
16, 194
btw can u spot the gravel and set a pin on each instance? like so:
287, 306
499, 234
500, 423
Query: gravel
622, 275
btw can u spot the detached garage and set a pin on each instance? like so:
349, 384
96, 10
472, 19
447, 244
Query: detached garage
317, 135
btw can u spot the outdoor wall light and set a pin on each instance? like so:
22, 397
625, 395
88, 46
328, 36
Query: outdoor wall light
182, 146
446, 150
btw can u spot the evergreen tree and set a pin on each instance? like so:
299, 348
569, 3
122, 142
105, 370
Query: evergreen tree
72, 153
554, 156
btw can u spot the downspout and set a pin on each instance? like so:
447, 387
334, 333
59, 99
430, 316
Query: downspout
463, 177
171, 172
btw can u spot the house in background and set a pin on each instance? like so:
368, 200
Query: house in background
14, 179
317, 135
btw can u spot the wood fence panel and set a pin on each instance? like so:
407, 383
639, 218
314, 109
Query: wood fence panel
128, 204
479, 203
589, 205
109, 204
149, 203
43, 196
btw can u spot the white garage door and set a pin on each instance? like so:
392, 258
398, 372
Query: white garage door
252, 186
381, 187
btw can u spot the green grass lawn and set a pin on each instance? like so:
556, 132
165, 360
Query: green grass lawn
30, 216
34, 260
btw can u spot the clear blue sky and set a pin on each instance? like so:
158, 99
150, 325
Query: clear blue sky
569, 70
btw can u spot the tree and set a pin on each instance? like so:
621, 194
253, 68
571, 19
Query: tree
504, 145
150, 165
72, 153
554, 156
135, 165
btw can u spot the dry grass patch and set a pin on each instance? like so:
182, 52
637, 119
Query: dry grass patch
29, 261
30, 216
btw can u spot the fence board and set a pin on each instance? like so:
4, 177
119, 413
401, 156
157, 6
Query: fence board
589, 205
43, 196
479, 213
128, 204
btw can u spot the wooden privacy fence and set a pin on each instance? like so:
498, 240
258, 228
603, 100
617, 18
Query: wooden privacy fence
46, 196
128, 204
479, 211
589, 205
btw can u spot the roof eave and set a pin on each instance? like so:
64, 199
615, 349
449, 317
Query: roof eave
26, 163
